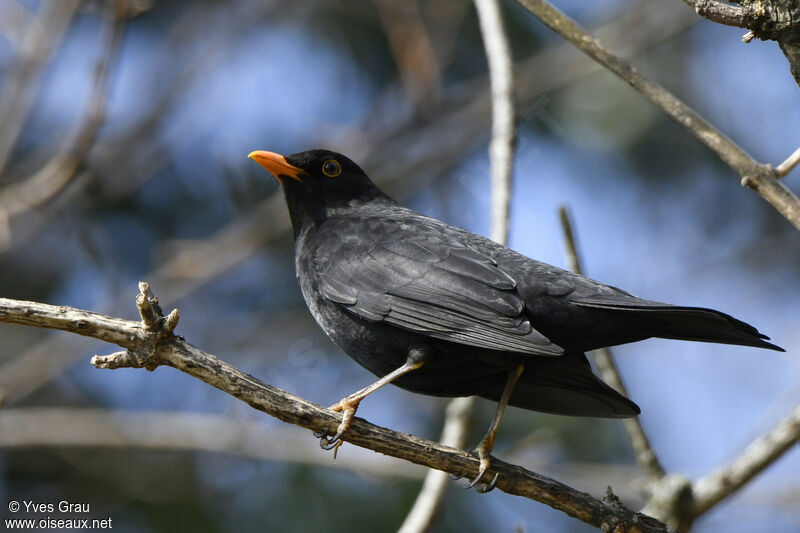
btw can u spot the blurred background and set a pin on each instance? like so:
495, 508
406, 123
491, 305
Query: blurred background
123, 143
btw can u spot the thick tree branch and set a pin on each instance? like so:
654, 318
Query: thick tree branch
777, 20
604, 359
720, 12
150, 344
757, 176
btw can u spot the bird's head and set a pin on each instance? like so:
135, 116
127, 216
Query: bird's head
318, 183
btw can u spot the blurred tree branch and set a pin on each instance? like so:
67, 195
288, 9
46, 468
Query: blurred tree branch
457, 421
61, 168
604, 359
151, 343
758, 176
179, 430
501, 155
37, 44
774, 20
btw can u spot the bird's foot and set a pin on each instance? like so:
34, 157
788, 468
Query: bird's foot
347, 406
479, 485
486, 462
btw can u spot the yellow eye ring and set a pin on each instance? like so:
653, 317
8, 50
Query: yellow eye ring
331, 168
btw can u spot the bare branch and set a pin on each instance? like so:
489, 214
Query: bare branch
762, 452
776, 20
757, 176
149, 348
727, 14
642, 450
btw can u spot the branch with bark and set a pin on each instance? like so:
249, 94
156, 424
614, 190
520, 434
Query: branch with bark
151, 343
773, 20
758, 176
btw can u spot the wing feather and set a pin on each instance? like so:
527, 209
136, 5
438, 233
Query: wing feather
431, 283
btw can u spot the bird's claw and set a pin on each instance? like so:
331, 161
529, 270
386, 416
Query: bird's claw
483, 488
477, 483
325, 442
329, 444
332, 443
477, 479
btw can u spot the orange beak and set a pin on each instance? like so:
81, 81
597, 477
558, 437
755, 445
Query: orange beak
276, 164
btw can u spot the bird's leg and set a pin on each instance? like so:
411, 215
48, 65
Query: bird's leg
484, 448
349, 404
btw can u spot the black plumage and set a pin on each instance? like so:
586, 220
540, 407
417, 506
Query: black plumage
381, 280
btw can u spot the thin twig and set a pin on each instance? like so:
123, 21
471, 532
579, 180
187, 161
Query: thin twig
642, 450
150, 344
787, 166
501, 154
755, 175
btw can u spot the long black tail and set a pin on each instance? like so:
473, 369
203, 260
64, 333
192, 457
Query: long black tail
690, 323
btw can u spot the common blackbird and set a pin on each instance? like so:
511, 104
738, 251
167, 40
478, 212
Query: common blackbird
438, 310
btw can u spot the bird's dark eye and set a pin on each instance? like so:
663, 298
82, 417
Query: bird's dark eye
331, 168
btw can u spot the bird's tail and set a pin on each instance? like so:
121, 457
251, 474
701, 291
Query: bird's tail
689, 323
565, 385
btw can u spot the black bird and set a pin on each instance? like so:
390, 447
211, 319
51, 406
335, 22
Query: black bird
438, 310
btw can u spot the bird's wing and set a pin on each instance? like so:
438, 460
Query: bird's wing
422, 277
